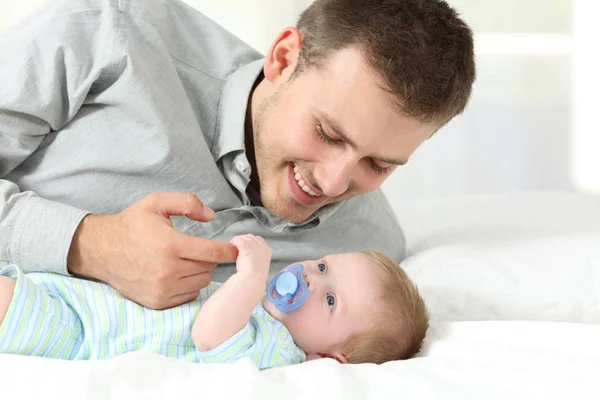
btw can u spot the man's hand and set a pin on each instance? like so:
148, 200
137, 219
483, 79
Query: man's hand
140, 254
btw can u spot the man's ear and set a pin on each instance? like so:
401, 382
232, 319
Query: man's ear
282, 57
338, 356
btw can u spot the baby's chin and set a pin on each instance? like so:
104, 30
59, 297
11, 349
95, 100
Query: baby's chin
280, 316
271, 309
275, 313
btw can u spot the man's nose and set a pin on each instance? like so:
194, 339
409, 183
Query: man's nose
334, 177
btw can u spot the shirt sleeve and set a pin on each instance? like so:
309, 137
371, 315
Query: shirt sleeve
50, 64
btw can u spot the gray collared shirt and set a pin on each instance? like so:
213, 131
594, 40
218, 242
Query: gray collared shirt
104, 101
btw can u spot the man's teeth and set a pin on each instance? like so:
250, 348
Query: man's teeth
301, 182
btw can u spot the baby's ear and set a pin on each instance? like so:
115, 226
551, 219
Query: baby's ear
339, 357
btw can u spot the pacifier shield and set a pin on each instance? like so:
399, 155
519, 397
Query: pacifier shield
287, 291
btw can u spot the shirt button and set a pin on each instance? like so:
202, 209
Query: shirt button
242, 167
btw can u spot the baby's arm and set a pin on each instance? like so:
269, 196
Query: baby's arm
7, 287
228, 310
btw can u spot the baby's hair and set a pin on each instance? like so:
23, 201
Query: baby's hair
400, 323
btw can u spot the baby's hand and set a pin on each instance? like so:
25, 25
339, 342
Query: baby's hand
254, 255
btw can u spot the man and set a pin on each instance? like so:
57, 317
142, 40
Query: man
137, 137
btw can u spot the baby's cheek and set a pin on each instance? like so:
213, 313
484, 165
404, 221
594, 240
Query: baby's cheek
306, 320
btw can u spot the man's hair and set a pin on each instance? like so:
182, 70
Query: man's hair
420, 49
399, 324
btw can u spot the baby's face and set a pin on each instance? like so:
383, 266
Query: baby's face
342, 291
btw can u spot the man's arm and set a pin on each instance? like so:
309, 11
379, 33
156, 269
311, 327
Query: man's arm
49, 64
228, 310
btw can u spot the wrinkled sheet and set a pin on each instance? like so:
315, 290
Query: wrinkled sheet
461, 360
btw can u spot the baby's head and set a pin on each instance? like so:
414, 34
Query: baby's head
361, 308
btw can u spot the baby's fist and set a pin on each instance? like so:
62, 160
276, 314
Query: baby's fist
254, 254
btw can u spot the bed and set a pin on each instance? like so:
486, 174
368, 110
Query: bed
512, 283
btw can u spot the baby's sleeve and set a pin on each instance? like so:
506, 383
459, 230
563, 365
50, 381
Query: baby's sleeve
233, 348
263, 339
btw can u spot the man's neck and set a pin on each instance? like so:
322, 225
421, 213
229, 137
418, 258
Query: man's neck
249, 135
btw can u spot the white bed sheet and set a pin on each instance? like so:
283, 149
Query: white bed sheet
512, 285
462, 360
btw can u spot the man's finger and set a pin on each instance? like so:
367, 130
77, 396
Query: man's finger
193, 283
179, 203
200, 249
181, 299
187, 268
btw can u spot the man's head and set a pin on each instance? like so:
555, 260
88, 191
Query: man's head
361, 307
352, 93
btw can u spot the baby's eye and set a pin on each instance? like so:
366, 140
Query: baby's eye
330, 301
322, 268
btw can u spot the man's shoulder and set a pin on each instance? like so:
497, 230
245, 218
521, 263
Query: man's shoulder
192, 37
373, 206
192, 40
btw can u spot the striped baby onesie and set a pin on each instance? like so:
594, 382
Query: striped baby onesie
59, 316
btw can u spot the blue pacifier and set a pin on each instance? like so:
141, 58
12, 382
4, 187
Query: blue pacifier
287, 291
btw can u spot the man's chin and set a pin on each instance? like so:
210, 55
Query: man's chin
290, 213
291, 217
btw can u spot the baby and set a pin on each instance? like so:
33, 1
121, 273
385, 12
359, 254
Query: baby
359, 308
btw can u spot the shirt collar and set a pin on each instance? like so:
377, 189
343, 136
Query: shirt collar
231, 116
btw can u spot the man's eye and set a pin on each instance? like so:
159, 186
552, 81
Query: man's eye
322, 268
325, 137
331, 301
377, 168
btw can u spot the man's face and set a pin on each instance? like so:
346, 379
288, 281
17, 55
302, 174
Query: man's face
328, 135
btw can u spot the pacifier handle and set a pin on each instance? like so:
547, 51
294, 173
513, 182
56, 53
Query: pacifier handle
287, 284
